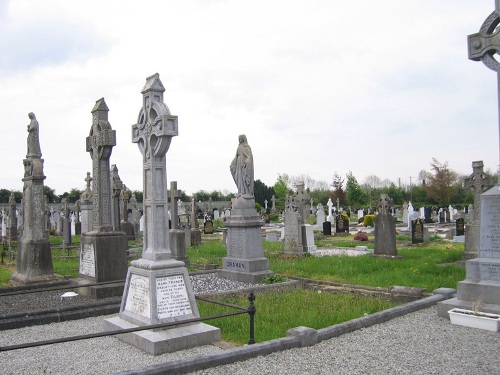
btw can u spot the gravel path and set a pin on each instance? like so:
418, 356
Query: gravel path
418, 343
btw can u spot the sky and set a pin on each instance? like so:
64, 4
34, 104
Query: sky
317, 86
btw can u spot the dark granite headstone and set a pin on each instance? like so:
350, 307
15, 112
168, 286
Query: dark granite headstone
428, 214
460, 226
342, 224
327, 228
208, 227
417, 231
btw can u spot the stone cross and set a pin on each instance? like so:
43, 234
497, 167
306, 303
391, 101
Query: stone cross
124, 198
479, 182
174, 195
87, 194
100, 143
265, 204
273, 206
485, 44
116, 189
153, 133
194, 214
338, 205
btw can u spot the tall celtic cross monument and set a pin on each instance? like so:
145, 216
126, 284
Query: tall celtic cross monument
158, 288
103, 250
482, 282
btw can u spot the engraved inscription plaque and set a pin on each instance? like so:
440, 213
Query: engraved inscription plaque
87, 260
138, 296
172, 297
489, 246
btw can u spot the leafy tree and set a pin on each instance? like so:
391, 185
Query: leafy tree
50, 194
4, 195
281, 190
262, 192
338, 191
442, 183
395, 193
355, 195
321, 196
138, 195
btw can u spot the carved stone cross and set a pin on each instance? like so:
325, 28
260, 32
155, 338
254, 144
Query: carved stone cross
485, 44
174, 195
479, 182
153, 133
100, 143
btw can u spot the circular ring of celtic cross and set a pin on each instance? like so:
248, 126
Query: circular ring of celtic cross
488, 28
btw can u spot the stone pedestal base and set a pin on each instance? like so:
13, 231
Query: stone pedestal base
34, 263
245, 259
245, 270
169, 340
160, 292
103, 257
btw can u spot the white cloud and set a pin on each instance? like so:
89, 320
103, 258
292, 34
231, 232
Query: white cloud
373, 87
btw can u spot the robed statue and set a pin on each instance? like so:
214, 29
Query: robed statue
242, 168
34, 151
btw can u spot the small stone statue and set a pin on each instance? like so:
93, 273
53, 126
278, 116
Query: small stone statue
34, 151
242, 169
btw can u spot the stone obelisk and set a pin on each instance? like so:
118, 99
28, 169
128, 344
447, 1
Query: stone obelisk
34, 259
158, 288
103, 250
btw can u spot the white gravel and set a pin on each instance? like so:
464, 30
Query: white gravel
418, 343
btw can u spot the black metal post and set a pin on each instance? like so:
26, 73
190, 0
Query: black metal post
251, 313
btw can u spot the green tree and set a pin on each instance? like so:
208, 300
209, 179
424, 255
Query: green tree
138, 195
4, 195
442, 182
281, 190
338, 190
395, 193
50, 194
262, 192
356, 197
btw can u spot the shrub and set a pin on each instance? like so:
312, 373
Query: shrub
360, 236
274, 218
368, 220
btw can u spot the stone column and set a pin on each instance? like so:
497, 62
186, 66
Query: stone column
12, 227
34, 259
158, 288
86, 204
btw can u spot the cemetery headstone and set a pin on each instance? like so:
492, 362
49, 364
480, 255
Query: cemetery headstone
12, 227
320, 215
208, 227
385, 229
195, 227
293, 232
158, 288
327, 228
342, 225
66, 222
78, 223
103, 250
245, 259
478, 182
177, 235
34, 259
460, 226
417, 231
86, 206
116, 190
330, 217
273, 206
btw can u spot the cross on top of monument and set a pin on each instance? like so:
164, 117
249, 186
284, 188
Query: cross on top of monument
484, 45
155, 126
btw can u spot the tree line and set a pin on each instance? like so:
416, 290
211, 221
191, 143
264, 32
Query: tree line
440, 186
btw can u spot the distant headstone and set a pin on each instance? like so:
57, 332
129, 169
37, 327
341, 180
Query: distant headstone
293, 232
478, 182
330, 217
12, 227
66, 210
208, 227
86, 204
417, 231
385, 229
460, 226
428, 214
320, 215
327, 228
273, 206
342, 224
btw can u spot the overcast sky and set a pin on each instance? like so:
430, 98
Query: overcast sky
373, 87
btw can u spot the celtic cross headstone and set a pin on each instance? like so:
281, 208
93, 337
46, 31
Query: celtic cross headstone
158, 288
103, 250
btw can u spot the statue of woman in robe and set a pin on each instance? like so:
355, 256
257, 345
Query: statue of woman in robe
242, 169
34, 150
